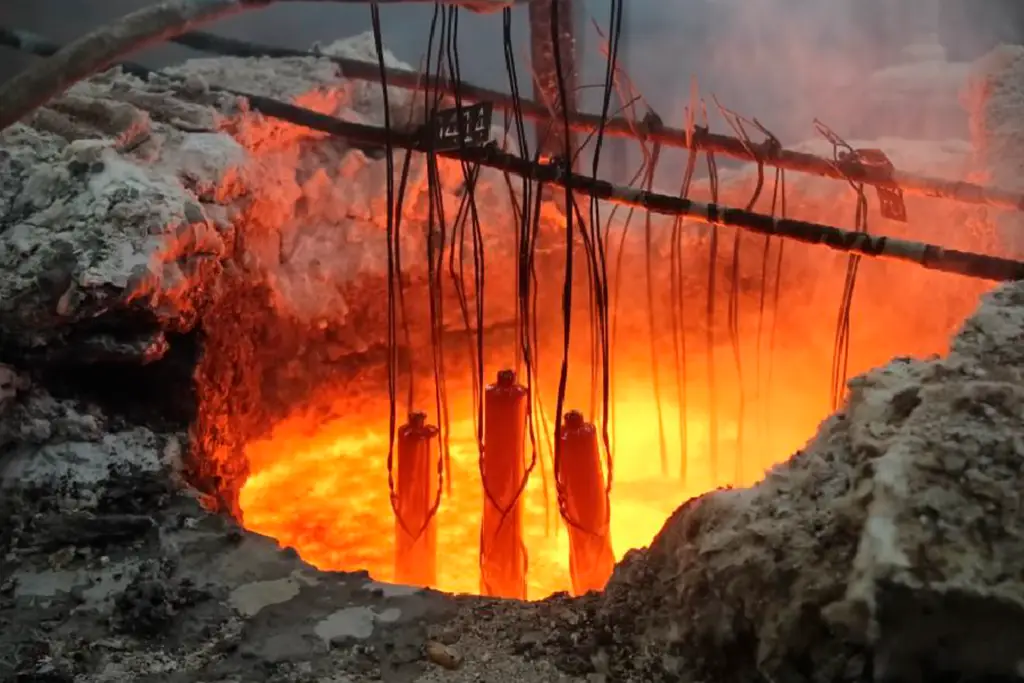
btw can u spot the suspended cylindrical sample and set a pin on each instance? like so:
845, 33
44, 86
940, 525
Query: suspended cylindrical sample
502, 553
591, 560
415, 495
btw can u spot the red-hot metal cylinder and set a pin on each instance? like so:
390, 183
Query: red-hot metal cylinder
591, 559
502, 553
416, 492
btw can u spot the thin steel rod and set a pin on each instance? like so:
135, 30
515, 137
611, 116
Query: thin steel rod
18, 99
929, 256
620, 127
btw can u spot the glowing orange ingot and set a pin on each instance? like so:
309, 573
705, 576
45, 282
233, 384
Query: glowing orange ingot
416, 491
591, 559
502, 552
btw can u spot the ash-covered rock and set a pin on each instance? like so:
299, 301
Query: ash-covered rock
66, 443
88, 236
154, 598
889, 547
116, 573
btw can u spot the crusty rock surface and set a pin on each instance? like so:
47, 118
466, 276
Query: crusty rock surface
937, 580
111, 571
994, 96
888, 549
122, 202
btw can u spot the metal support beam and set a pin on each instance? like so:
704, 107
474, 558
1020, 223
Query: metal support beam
851, 169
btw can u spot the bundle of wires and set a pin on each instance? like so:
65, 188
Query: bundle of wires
593, 240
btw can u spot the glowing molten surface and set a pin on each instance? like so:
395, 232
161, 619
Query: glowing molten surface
319, 481
321, 486
329, 499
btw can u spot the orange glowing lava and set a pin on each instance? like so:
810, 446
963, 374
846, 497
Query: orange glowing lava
320, 484
753, 396
326, 494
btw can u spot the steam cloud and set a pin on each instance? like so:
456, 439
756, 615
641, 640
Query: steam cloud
783, 61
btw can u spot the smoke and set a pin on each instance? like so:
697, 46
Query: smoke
784, 61
788, 62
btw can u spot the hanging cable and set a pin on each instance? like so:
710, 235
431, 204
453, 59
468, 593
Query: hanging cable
393, 248
713, 433
615, 22
592, 238
678, 319
776, 295
842, 153
653, 120
436, 243
737, 124
766, 248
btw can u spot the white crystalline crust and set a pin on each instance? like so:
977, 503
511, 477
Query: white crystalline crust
126, 197
52, 443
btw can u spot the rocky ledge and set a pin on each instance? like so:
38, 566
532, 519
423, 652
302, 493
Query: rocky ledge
123, 201
888, 549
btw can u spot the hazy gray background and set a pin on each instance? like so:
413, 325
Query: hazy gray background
784, 61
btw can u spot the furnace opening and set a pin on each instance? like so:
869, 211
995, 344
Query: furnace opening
294, 425
725, 349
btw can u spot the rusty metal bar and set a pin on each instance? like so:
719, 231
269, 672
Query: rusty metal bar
702, 139
930, 256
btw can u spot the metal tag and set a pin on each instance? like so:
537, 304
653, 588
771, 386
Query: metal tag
468, 126
890, 199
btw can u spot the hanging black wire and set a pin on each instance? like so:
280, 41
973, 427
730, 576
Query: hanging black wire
765, 389
713, 424
615, 25
592, 237
735, 333
570, 240
842, 151
436, 243
652, 313
394, 248
678, 318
